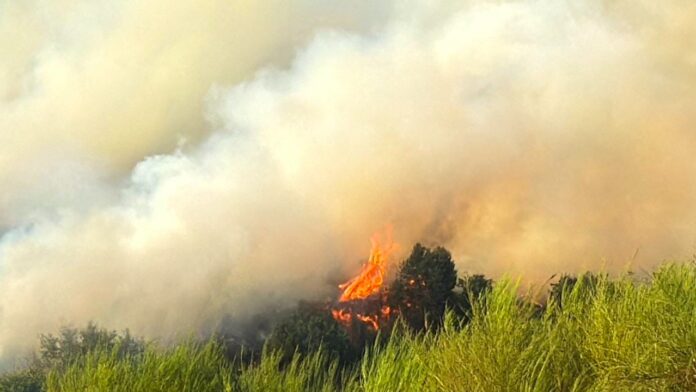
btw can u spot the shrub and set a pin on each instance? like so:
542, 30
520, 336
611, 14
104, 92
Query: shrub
424, 283
308, 329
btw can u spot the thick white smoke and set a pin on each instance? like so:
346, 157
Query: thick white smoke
529, 137
88, 88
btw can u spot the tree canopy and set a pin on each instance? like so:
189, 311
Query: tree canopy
424, 283
469, 289
308, 328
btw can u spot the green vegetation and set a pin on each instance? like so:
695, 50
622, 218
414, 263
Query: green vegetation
71, 345
424, 283
188, 366
594, 334
306, 330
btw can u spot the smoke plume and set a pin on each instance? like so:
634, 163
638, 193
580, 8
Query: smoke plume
528, 137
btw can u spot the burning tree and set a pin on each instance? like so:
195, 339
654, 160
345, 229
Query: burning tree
418, 294
362, 306
424, 284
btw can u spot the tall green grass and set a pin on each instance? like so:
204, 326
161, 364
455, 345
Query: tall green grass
606, 335
186, 367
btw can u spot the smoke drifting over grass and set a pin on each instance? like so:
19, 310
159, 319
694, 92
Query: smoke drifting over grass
528, 137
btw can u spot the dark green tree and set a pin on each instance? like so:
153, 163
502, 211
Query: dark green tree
26, 380
308, 328
422, 287
72, 344
469, 290
68, 346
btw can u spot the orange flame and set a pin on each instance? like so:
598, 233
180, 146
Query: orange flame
367, 283
370, 279
342, 315
371, 320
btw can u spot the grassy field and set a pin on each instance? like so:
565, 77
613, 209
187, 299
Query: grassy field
625, 334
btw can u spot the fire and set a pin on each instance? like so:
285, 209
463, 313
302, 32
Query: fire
341, 315
360, 296
371, 320
370, 279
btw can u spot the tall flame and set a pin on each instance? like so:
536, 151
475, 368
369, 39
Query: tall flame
366, 284
370, 279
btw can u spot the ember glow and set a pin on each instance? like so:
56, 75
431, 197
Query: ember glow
362, 296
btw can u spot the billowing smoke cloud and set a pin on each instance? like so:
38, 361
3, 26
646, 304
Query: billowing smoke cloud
529, 137
89, 88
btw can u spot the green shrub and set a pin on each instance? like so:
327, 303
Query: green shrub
189, 366
608, 335
306, 330
28, 380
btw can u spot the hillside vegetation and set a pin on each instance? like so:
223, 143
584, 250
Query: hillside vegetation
596, 335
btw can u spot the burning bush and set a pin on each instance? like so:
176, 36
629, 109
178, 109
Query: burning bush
419, 294
362, 307
424, 283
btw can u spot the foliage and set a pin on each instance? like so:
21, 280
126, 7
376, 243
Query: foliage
627, 336
315, 371
424, 283
306, 330
27, 380
469, 290
585, 286
72, 344
608, 335
190, 366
